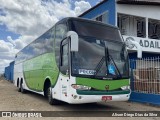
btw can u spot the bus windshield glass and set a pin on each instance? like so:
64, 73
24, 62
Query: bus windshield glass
101, 54
95, 30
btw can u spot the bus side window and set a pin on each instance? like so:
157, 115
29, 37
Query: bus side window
61, 30
64, 59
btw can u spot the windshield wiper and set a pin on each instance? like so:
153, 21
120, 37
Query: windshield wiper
106, 59
108, 56
99, 65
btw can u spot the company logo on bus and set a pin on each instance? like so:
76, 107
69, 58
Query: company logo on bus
107, 87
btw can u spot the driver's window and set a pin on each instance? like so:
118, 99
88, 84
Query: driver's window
64, 59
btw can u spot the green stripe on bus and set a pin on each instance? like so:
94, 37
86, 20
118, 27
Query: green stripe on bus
101, 84
37, 69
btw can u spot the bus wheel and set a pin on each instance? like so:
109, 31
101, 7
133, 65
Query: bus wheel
22, 89
50, 98
19, 88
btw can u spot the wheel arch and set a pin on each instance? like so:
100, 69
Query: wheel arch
47, 82
17, 82
21, 81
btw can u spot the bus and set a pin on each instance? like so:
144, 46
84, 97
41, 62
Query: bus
76, 61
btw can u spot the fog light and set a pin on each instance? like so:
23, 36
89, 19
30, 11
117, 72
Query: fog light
75, 96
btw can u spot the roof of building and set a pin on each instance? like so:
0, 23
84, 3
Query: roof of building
131, 2
139, 2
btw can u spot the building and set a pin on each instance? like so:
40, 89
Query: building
8, 73
138, 20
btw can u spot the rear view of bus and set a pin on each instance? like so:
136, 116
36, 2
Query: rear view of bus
85, 61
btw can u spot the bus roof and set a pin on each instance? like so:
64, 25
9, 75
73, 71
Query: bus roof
86, 20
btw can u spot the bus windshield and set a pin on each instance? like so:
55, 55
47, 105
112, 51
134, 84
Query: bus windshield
100, 55
96, 30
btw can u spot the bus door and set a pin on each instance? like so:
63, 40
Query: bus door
64, 68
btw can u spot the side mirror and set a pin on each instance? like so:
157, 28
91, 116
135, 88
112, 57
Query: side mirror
74, 40
131, 43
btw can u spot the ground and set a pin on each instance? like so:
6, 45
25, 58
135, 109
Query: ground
12, 100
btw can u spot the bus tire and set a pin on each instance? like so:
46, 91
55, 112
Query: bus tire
19, 89
51, 100
18, 85
22, 89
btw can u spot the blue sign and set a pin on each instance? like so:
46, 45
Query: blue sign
111, 69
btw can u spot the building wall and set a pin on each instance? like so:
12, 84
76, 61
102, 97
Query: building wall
108, 6
150, 47
139, 10
9, 71
147, 12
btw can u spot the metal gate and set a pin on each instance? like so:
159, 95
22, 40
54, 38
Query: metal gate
145, 80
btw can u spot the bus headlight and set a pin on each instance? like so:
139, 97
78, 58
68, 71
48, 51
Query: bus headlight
81, 87
127, 87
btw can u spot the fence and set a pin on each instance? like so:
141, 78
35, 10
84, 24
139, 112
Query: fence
145, 80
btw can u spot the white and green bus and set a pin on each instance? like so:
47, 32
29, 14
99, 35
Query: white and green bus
75, 61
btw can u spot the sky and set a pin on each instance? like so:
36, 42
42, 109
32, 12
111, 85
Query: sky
22, 21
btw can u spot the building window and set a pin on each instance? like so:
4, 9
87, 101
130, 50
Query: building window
99, 18
123, 23
153, 29
102, 18
132, 25
141, 27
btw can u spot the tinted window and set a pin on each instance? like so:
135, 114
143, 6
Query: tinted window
95, 30
64, 65
99, 58
154, 29
61, 30
90, 53
49, 41
43, 44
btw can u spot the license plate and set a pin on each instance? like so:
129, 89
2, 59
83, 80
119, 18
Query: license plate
106, 98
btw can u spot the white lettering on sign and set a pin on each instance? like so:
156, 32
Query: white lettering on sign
86, 72
151, 45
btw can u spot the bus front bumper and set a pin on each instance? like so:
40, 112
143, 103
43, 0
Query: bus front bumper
99, 96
